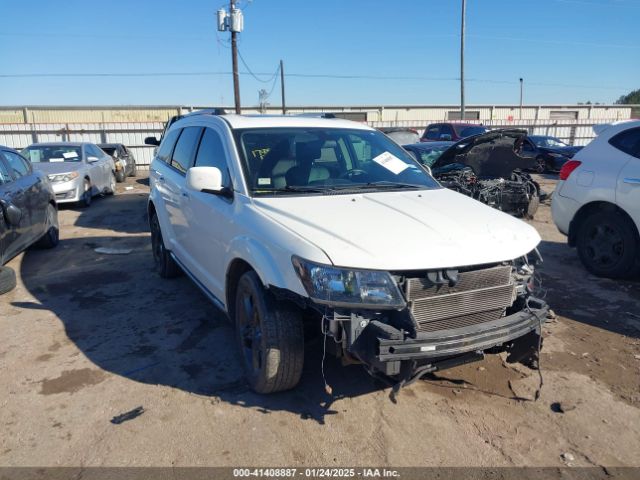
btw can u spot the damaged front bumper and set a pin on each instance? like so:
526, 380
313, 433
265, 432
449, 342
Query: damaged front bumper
385, 349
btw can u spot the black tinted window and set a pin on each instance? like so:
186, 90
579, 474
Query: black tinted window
628, 141
211, 154
432, 133
186, 148
5, 176
166, 147
18, 165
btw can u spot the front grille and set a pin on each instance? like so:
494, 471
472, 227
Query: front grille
479, 296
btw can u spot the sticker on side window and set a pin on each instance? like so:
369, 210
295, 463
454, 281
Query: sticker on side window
264, 181
70, 155
391, 162
56, 160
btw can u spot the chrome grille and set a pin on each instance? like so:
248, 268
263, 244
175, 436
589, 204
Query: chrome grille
479, 296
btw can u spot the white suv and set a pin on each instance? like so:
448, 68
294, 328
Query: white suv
287, 220
597, 201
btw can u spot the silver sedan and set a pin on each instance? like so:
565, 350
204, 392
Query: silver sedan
77, 171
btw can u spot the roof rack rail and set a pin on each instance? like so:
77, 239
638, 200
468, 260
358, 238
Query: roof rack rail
205, 111
316, 115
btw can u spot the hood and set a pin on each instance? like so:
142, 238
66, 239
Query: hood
489, 155
49, 168
403, 230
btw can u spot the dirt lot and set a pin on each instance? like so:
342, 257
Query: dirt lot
88, 336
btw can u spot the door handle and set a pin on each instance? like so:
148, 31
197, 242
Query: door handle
632, 181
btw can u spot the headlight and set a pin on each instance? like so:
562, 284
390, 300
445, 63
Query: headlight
62, 177
345, 287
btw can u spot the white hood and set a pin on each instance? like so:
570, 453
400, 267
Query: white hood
403, 230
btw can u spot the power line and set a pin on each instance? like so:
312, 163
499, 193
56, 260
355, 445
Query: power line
300, 75
253, 74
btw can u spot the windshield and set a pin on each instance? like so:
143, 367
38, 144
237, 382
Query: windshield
316, 160
464, 131
548, 142
52, 153
428, 155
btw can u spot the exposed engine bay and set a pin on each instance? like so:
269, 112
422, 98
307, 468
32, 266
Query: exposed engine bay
487, 168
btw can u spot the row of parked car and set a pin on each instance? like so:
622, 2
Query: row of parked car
289, 224
34, 181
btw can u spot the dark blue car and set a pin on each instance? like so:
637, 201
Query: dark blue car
550, 153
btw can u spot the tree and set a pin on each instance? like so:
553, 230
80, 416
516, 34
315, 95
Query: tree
631, 98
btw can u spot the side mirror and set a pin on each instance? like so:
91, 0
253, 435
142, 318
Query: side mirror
445, 137
152, 141
12, 214
92, 159
208, 180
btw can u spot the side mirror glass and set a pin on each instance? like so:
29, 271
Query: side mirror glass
208, 180
12, 214
152, 141
92, 159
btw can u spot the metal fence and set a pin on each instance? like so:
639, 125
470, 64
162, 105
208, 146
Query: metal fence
132, 134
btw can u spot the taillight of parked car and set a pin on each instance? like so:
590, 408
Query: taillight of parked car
569, 167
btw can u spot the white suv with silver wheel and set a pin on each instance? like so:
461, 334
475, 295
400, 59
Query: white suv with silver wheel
597, 201
287, 220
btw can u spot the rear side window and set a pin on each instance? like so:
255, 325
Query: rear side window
5, 176
166, 147
628, 141
432, 133
211, 154
18, 165
186, 148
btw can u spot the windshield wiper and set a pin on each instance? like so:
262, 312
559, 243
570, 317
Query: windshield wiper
382, 184
292, 189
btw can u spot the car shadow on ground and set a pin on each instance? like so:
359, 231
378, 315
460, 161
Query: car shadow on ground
574, 293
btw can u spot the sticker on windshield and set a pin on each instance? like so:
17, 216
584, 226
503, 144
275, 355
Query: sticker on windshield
391, 162
56, 159
70, 155
264, 181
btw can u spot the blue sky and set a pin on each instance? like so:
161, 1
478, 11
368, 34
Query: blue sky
567, 51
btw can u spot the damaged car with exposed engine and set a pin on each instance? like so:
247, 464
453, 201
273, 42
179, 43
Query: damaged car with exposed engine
293, 225
487, 167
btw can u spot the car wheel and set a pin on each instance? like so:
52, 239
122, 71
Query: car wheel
7, 280
164, 264
111, 189
52, 236
120, 176
608, 245
85, 199
541, 165
270, 337
134, 170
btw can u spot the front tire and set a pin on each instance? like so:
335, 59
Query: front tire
541, 165
111, 188
608, 245
164, 264
7, 280
87, 194
270, 336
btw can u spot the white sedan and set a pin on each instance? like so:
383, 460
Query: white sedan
597, 201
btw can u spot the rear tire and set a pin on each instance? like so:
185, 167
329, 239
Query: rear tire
111, 188
164, 264
541, 165
120, 176
7, 280
270, 337
52, 237
608, 245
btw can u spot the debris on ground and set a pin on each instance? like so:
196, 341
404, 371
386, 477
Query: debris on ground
568, 457
551, 315
113, 251
130, 415
128, 188
563, 407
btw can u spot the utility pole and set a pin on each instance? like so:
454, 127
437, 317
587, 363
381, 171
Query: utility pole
462, 26
234, 60
521, 88
233, 22
284, 110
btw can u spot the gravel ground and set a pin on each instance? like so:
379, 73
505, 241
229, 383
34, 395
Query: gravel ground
88, 336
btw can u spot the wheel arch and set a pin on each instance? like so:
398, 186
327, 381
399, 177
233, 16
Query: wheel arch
596, 206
